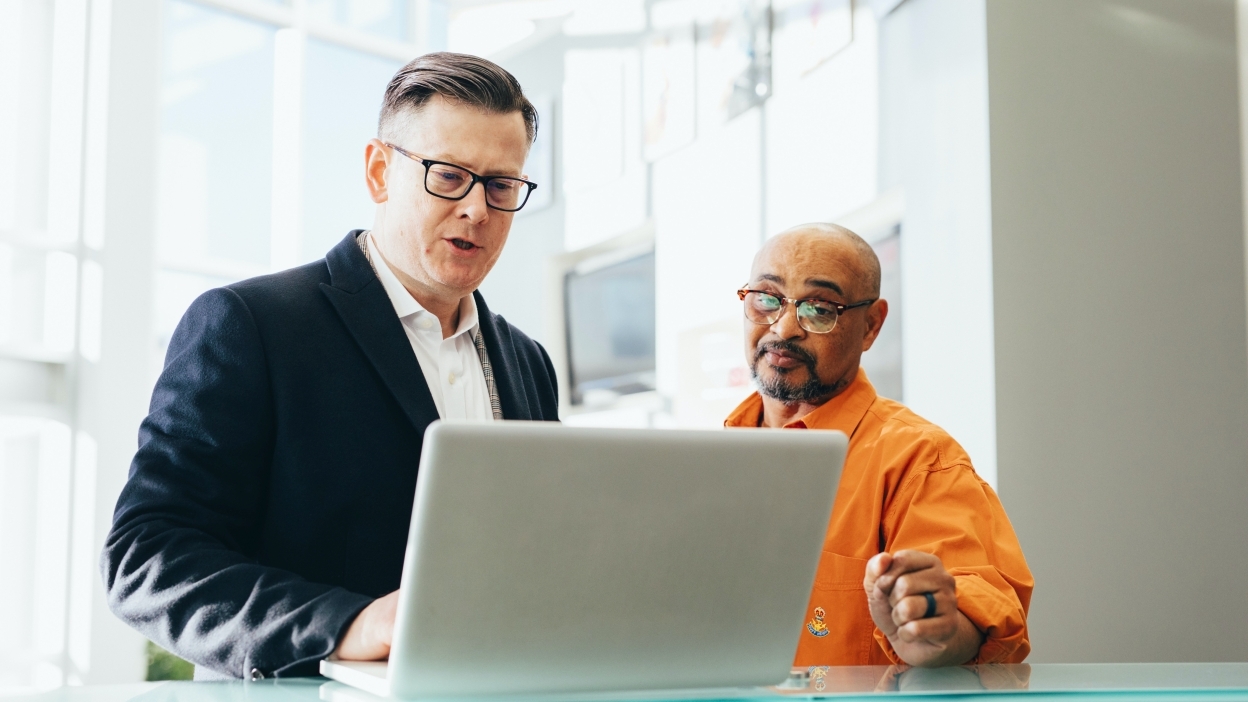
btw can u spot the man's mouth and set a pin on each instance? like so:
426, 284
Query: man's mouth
785, 356
463, 244
780, 359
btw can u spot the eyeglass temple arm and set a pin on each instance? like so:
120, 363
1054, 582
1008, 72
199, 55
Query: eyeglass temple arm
862, 303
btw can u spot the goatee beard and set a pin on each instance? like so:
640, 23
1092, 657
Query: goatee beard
813, 391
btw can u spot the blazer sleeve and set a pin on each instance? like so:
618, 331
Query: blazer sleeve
176, 564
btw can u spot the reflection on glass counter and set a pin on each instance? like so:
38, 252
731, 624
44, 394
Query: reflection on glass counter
1154, 682
1099, 678
819, 680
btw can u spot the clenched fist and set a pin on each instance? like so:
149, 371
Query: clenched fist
901, 589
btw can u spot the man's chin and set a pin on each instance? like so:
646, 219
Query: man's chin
779, 391
461, 277
777, 385
790, 385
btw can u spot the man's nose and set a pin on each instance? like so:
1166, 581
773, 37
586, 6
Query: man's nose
787, 327
473, 206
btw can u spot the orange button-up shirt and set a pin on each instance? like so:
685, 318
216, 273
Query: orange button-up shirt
906, 484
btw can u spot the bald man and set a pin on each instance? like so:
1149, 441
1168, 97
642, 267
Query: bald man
920, 565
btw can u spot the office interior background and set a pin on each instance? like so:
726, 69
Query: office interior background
1055, 188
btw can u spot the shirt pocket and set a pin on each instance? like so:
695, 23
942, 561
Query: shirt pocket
838, 629
839, 573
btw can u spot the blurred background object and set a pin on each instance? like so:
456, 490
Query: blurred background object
163, 665
1054, 188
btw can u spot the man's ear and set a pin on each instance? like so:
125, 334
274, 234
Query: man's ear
376, 163
876, 315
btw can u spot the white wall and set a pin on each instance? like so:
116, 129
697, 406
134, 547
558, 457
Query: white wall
934, 148
707, 226
1122, 372
516, 288
823, 136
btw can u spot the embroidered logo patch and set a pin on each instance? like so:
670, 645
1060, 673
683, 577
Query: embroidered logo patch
816, 626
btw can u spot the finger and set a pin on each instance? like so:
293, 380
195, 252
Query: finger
917, 583
877, 600
877, 566
937, 631
904, 562
916, 560
908, 561
914, 608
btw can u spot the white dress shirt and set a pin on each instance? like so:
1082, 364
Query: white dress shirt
451, 366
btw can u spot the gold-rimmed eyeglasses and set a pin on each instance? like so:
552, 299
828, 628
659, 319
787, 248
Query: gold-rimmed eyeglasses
813, 315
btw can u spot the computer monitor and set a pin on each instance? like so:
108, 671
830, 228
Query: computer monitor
609, 317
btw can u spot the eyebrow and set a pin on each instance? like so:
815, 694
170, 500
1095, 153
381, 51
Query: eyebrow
816, 282
821, 283
446, 158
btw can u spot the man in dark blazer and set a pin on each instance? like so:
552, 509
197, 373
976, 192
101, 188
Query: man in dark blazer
264, 522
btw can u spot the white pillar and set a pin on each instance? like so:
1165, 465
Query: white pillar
119, 223
286, 226
934, 147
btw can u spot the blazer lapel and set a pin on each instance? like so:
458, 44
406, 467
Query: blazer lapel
508, 378
365, 309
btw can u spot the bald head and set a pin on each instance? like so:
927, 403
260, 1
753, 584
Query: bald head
821, 241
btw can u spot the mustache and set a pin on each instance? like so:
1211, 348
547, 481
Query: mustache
788, 347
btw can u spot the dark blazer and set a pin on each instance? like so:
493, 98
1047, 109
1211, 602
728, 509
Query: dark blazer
270, 497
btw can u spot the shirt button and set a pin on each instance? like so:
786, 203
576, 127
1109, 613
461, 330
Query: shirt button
255, 674
425, 323
451, 379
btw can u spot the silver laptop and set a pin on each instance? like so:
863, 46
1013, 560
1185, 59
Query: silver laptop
545, 559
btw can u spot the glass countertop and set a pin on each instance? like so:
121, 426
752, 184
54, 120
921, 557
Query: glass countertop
1154, 682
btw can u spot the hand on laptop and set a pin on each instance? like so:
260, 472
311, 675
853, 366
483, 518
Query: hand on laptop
896, 584
369, 636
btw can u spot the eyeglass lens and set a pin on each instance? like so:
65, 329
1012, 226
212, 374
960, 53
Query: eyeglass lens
812, 316
501, 193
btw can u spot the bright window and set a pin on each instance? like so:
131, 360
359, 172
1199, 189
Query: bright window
262, 134
216, 140
342, 97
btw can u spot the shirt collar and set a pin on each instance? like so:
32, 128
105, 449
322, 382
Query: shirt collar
842, 412
405, 305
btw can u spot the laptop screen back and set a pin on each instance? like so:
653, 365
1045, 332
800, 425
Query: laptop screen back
545, 558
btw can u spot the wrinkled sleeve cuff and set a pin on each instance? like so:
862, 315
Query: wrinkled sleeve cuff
999, 617
320, 637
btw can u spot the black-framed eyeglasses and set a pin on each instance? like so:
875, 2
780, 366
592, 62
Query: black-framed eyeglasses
451, 182
813, 315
